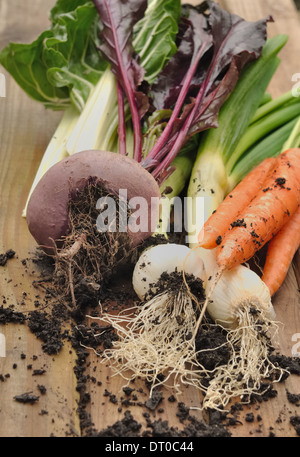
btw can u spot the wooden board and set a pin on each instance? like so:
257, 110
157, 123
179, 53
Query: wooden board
25, 129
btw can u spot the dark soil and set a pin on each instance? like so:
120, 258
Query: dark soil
89, 258
26, 398
214, 338
128, 426
48, 323
6, 256
295, 421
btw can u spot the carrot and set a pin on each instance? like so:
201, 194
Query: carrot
226, 213
280, 253
266, 214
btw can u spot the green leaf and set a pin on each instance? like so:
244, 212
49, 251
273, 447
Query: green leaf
155, 34
63, 64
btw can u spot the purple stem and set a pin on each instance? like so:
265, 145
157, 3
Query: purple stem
181, 135
121, 126
166, 133
137, 131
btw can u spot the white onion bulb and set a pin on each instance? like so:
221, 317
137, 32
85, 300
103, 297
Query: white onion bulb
164, 258
236, 288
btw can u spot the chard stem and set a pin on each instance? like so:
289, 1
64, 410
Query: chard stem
121, 126
176, 111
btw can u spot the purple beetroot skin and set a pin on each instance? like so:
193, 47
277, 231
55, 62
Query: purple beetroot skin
47, 211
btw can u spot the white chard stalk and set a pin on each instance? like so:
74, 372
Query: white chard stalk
96, 118
57, 147
208, 182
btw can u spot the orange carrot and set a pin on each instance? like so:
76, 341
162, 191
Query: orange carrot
266, 214
280, 253
226, 213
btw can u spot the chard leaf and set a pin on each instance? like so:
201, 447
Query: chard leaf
235, 43
194, 44
118, 19
25, 63
155, 34
82, 67
62, 65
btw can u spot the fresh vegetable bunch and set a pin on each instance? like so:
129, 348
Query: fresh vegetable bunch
141, 71
127, 90
157, 95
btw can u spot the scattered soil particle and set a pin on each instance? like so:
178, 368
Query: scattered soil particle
46, 329
293, 398
155, 399
249, 417
295, 421
8, 315
211, 347
42, 389
280, 182
291, 364
27, 398
127, 390
238, 223
112, 397
219, 240
128, 426
38, 372
9, 254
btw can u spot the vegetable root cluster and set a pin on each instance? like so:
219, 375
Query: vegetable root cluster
89, 258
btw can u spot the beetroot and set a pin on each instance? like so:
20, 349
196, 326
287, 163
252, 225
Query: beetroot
48, 208
62, 216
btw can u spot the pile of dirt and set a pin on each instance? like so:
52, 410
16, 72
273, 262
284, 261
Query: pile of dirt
48, 322
193, 427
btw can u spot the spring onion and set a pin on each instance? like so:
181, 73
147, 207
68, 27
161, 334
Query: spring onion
209, 179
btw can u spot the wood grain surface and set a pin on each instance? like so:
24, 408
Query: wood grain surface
25, 129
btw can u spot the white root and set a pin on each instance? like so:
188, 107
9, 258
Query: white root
249, 365
155, 341
158, 339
